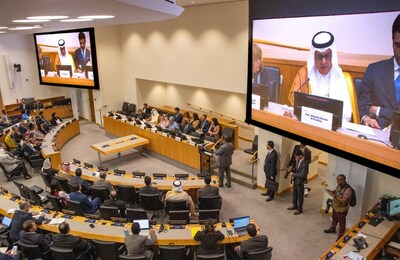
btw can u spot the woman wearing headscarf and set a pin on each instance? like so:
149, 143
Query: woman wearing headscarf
155, 117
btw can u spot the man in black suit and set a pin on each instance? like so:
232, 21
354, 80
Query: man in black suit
208, 190
44, 61
380, 87
82, 54
20, 216
65, 240
256, 242
24, 105
204, 124
177, 115
225, 152
307, 157
270, 169
90, 206
29, 236
115, 202
148, 189
78, 179
299, 174
146, 112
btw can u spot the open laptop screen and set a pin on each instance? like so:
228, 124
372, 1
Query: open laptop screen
6, 221
144, 223
241, 222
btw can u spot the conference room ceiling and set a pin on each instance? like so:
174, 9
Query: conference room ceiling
125, 12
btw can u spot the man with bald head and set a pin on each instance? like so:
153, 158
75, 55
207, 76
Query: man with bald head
322, 76
115, 202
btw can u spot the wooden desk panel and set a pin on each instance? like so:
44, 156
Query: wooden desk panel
73, 81
108, 232
182, 152
61, 112
119, 144
60, 136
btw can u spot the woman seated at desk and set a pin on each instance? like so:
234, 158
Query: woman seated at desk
195, 122
164, 121
215, 129
209, 238
154, 118
55, 120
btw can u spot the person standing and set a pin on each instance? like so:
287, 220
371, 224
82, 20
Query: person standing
307, 157
270, 169
340, 205
224, 153
299, 174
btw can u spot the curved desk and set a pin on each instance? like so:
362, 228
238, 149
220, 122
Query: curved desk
191, 185
107, 231
183, 151
57, 138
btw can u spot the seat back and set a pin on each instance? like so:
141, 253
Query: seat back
62, 253
273, 82
46, 178
109, 212
125, 106
131, 109
354, 90
132, 257
30, 251
260, 255
4, 171
254, 146
172, 252
128, 194
205, 214
33, 196
209, 138
76, 206
63, 184
105, 250
214, 256
54, 202
212, 202
150, 202
228, 132
21, 189
133, 214
181, 215
100, 192
176, 205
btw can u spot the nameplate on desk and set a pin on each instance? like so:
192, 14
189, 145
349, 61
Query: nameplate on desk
192, 143
142, 127
178, 138
132, 123
255, 102
316, 118
123, 120
165, 134
65, 74
154, 130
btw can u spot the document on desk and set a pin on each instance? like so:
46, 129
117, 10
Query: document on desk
354, 256
56, 221
359, 128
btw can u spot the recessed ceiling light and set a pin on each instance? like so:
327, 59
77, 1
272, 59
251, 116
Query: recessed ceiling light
75, 20
192, 2
18, 28
96, 17
30, 21
48, 17
3, 27
2, 31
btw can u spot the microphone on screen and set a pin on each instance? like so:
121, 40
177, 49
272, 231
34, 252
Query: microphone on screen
302, 85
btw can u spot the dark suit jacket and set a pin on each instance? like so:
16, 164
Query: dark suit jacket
85, 185
19, 218
136, 244
45, 63
149, 190
208, 191
67, 241
224, 153
116, 203
270, 164
80, 62
204, 125
306, 155
34, 238
178, 118
209, 243
89, 206
256, 243
377, 89
300, 173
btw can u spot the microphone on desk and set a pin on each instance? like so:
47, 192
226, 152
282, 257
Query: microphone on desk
302, 85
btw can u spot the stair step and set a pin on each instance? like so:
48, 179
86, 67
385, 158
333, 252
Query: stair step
240, 178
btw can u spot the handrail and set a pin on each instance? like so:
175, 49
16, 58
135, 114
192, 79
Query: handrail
281, 45
213, 112
254, 157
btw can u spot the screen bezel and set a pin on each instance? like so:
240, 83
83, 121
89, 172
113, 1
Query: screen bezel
259, 9
93, 55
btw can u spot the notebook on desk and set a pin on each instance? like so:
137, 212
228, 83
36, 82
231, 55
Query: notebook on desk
240, 225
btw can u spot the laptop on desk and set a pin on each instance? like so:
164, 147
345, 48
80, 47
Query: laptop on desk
144, 226
5, 223
240, 224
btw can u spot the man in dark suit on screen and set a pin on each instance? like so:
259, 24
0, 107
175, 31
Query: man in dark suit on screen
380, 87
299, 174
82, 54
270, 169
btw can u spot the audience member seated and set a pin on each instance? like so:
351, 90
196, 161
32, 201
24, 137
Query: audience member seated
195, 122
177, 193
46, 168
90, 206
42, 123
115, 202
79, 246
148, 189
55, 120
2, 124
11, 143
204, 124
24, 115
137, 244
215, 129
6, 118
29, 236
10, 255
77, 179
208, 190
186, 115
20, 216
102, 182
209, 238
29, 149
56, 191
154, 118
256, 242
38, 135
172, 124
24, 105
145, 112
30, 135
186, 127
163, 121
22, 127
12, 164
177, 116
